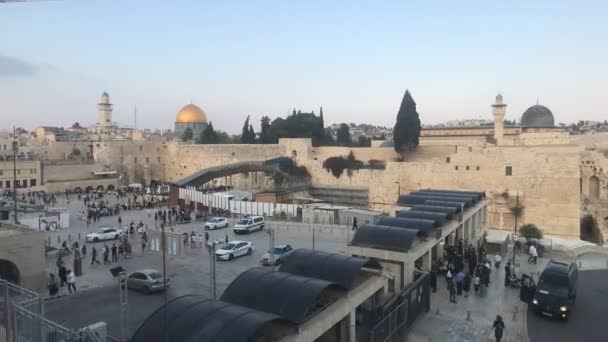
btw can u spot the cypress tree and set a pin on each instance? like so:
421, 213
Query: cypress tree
407, 127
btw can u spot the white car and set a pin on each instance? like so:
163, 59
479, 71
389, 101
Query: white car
217, 222
104, 233
249, 224
234, 249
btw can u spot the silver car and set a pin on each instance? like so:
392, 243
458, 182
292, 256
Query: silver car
217, 222
147, 281
276, 255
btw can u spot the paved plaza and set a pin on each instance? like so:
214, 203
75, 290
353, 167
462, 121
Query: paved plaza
98, 297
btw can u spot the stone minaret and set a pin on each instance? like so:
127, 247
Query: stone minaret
499, 119
104, 114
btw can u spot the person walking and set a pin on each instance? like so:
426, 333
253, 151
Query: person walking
533, 254
497, 260
507, 273
71, 281
476, 284
459, 281
206, 237
106, 255
452, 290
354, 223
466, 285
94, 256
62, 275
114, 253
52, 285
143, 247
433, 280
84, 250
499, 327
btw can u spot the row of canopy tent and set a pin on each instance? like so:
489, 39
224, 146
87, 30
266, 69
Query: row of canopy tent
260, 304
427, 211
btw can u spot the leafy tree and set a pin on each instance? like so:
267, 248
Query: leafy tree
187, 135
265, 134
407, 127
208, 136
364, 141
530, 231
251, 134
343, 135
246, 134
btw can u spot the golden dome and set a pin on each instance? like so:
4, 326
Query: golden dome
191, 114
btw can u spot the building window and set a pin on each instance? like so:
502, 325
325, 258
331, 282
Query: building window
8, 184
135, 160
470, 149
1, 172
25, 183
147, 160
508, 171
141, 148
158, 159
467, 167
456, 167
18, 183
32, 182
478, 168
447, 160
18, 172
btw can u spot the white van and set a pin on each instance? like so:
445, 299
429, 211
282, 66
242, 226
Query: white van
249, 224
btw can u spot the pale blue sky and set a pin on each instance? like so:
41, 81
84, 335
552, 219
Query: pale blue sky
238, 58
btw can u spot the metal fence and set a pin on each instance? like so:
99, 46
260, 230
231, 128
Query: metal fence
413, 301
22, 319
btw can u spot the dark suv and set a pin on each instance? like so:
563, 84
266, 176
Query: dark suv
556, 290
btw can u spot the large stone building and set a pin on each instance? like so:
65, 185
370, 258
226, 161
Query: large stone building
533, 163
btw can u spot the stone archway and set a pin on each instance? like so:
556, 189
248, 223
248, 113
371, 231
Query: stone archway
99, 188
594, 187
88, 189
111, 187
77, 190
9, 271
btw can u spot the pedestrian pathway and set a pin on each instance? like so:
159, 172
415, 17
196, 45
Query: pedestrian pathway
471, 318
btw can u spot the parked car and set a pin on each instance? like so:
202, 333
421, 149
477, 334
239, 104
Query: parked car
234, 249
249, 224
104, 233
276, 255
147, 281
217, 222
555, 292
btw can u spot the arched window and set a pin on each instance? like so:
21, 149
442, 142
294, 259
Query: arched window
594, 187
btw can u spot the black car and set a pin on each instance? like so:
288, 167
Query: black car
555, 293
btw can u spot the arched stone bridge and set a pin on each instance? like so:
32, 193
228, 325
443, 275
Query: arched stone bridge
279, 168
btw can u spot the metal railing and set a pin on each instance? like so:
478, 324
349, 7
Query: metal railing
413, 301
22, 319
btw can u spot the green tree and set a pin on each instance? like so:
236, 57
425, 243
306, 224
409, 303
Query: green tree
265, 134
251, 134
364, 141
187, 135
530, 231
208, 136
407, 127
246, 137
343, 135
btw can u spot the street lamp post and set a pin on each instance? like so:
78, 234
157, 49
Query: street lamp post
15, 173
164, 248
270, 233
211, 247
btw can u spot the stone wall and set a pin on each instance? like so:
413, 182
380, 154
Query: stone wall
545, 177
25, 249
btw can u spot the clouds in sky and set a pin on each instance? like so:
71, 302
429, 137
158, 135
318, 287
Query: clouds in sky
16, 67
